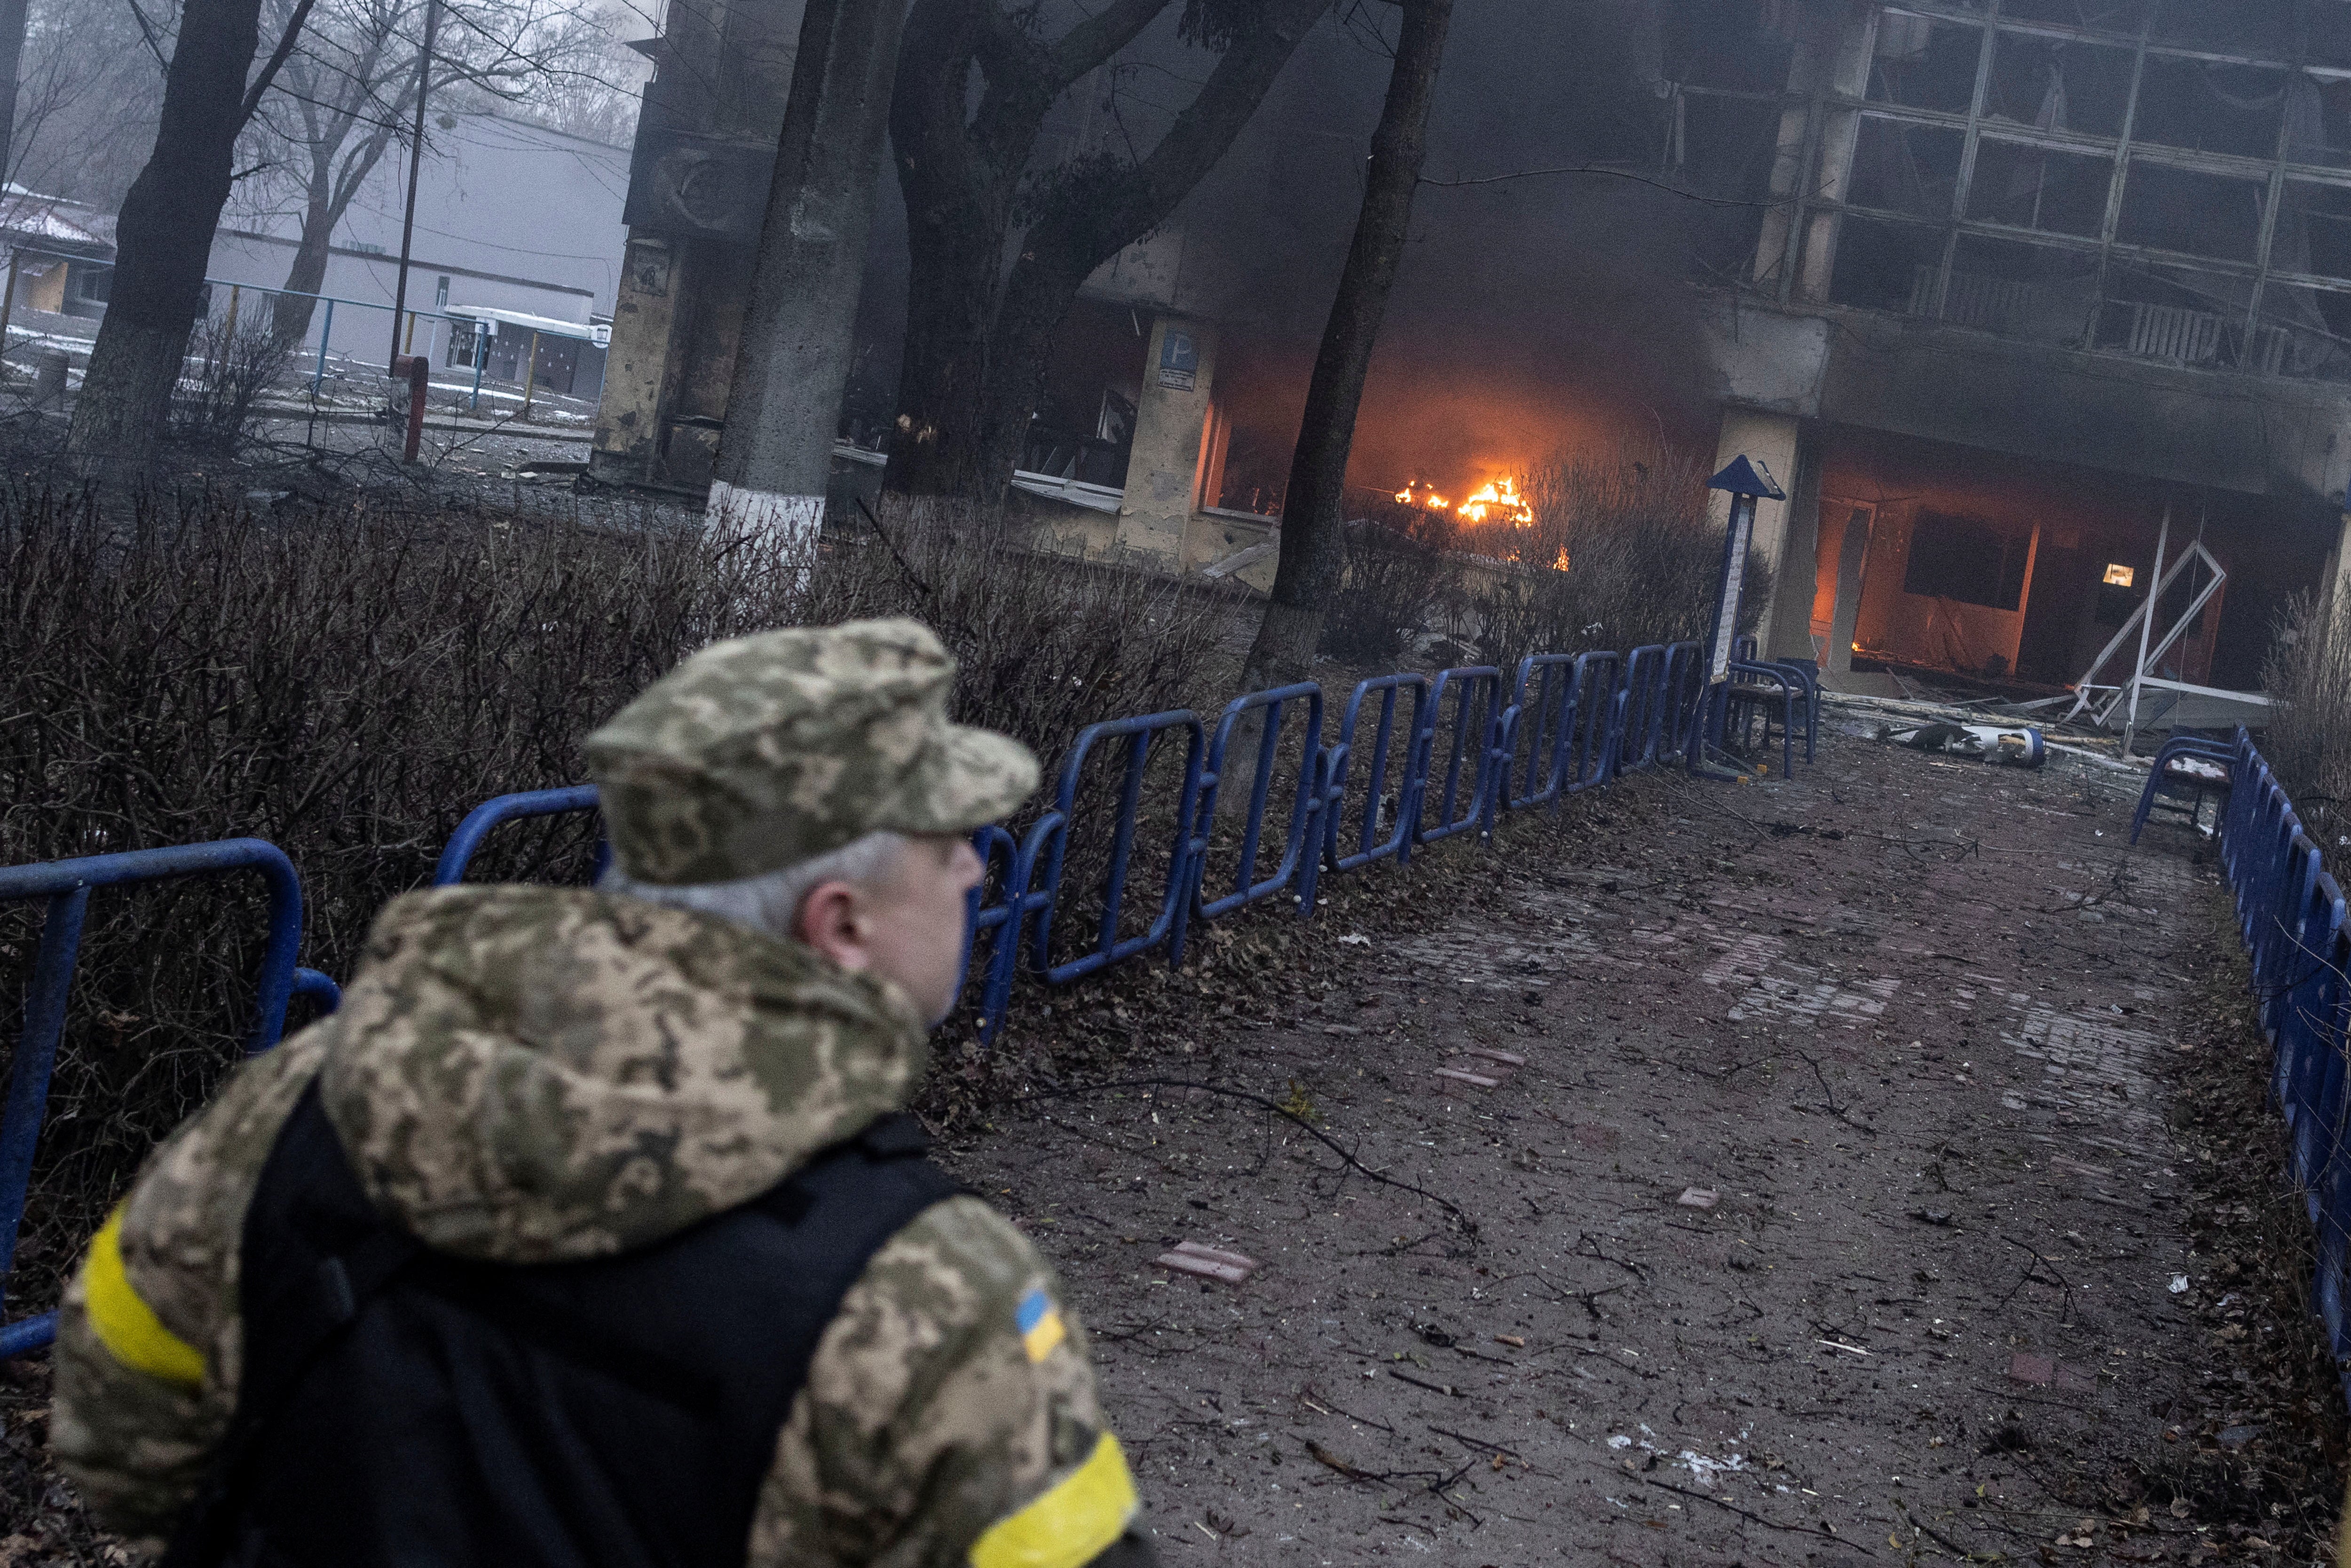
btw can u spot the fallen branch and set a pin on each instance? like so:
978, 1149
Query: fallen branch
1759, 1519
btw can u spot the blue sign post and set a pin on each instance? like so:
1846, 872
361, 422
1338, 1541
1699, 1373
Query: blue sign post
1747, 481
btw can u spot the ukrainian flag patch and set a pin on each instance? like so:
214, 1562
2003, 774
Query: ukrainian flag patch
1039, 1322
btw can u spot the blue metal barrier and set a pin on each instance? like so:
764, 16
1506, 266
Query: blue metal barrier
1168, 926
2178, 748
65, 885
1685, 683
1340, 768
1543, 719
2291, 916
460, 850
1302, 837
1474, 737
1642, 720
1789, 692
1592, 713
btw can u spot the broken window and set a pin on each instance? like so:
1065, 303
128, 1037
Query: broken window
1926, 63
2208, 106
2053, 84
1905, 168
2023, 290
2191, 211
1967, 560
2303, 331
2174, 315
1886, 266
2035, 188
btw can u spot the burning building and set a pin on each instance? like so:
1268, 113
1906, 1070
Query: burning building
1994, 287
2026, 279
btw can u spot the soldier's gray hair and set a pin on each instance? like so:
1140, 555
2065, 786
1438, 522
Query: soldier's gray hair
769, 902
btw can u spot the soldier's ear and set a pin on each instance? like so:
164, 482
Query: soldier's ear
832, 920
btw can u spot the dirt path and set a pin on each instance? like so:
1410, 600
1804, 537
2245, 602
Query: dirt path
1912, 1023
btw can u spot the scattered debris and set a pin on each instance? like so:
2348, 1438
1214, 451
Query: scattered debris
2009, 747
1207, 1262
1704, 1198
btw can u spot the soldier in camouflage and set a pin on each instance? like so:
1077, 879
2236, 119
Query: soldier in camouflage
529, 1080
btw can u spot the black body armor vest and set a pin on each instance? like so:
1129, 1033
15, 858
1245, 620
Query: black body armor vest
402, 1409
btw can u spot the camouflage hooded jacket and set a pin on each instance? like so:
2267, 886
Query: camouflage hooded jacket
526, 1075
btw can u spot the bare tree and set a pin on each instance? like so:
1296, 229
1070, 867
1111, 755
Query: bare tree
348, 90
164, 234
1312, 510
975, 337
88, 90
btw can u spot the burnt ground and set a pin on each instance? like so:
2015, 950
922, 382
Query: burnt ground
1973, 1083
1999, 1265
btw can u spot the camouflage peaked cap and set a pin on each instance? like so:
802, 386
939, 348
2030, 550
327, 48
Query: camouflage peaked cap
763, 751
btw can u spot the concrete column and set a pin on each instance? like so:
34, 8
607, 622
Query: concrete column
1852, 559
1840, 131
1787, 631
644, 322
1171, 452
1773, 440
783, 408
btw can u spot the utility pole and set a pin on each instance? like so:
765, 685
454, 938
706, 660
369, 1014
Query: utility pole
415, 163
784, 407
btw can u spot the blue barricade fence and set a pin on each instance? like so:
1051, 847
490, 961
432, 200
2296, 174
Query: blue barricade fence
1537, 725
1259, 717
1168, 922
2290, 915
1470, 742
1399, 774
479, 821
1641, 717
1396, 813
65, 887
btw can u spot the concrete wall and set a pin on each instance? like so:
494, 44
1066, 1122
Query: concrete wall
1173, 451
2258, 435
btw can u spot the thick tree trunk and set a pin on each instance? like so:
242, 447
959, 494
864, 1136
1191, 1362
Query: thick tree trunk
960, 170
1066, 245
942, 370
958, 207
775, 456
1313, 510
290, 314
164, 234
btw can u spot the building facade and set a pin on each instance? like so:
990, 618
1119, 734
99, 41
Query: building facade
2024, 279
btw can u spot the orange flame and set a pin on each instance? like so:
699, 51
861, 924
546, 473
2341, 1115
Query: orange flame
1420, 493
1500, 497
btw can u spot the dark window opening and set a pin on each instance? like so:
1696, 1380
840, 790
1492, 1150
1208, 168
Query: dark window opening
1886, 266
2023, 290
2190, 212
1926, 64
2058, 86
1966, 560
1905, 168
2060, 193
2210, 108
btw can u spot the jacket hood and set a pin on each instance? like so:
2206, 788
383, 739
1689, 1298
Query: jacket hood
535, 1074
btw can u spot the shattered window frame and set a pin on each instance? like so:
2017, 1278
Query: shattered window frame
2261, 274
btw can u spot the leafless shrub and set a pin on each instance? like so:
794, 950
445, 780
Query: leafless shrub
235, 362
1617, 554
1398, 577
348, 682
2308, 739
